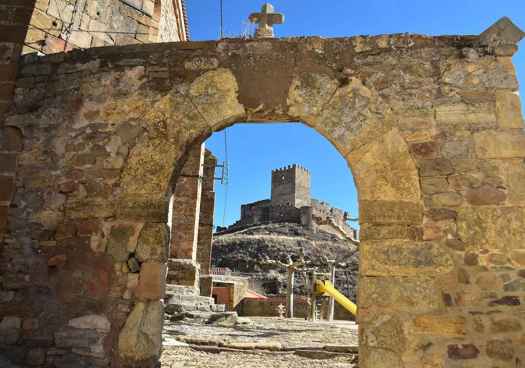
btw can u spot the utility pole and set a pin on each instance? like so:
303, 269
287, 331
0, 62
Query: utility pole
222, 19
331, 303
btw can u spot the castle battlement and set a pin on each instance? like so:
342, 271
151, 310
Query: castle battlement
290, 167
291, 202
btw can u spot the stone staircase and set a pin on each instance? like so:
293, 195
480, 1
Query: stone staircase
187, 299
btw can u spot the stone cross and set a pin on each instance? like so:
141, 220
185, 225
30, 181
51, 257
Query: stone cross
265, 20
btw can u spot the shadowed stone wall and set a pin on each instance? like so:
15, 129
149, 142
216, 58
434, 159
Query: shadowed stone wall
431, 127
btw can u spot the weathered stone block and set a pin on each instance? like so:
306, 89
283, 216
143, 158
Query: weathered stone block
118, 242
439, 325
378, 232
432, 185
500, 349
508, 110
492, 227
152, 243
377, 357
500, 144
386, 212
151, 281
91, 321
464, 351
436, 167
457, 149
505, 324
183, 272
385, 332
381, 178
69, 337
463, 114
399, 258
503, 32
450, 199
404, 293
140, 338
485, 195
513, 172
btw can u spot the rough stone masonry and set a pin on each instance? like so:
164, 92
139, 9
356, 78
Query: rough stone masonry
431, 127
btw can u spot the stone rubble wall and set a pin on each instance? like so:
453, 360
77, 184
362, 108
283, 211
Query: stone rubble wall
431, 127
317, 214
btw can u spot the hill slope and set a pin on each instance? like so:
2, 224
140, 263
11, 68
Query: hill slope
255, 250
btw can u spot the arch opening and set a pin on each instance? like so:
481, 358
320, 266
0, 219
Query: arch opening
291, 197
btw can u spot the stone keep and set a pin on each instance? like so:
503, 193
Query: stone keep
431, 127
291, 186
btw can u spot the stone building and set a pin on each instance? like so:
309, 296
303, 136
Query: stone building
291, 202
93, 141
191, 219
62, 25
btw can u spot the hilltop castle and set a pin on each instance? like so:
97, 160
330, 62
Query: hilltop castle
291, 202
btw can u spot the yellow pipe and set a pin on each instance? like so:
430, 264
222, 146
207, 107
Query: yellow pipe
328, 288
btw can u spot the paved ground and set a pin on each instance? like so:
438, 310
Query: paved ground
259, 342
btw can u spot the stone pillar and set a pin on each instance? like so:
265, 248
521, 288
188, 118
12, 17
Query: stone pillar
204, 239
182, 265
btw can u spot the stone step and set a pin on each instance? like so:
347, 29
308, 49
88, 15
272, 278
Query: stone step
218, 308
190, 299
180, 290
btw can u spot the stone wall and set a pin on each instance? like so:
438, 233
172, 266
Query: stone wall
185, 221
431, 127
207, 206
63, 25
290, 186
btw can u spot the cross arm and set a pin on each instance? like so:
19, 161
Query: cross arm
276, 18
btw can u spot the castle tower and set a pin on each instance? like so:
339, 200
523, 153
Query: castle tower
291, 186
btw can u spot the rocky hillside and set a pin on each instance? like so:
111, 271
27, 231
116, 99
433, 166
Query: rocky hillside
257, 249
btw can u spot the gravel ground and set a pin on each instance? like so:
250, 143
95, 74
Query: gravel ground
181, 357
259, 330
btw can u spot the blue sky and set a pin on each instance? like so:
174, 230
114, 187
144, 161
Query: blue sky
255, 149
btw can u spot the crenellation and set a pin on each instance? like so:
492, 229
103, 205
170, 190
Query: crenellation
291, 203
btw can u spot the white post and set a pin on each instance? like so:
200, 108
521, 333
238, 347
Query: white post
331, 305
289, 292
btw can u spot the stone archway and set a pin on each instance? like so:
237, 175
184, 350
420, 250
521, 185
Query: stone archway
430, 126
